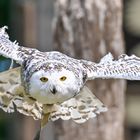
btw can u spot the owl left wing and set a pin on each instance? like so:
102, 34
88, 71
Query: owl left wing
125, 67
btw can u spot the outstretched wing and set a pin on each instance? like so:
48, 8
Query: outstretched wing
125, 67
13, 97
12, 49
84, 106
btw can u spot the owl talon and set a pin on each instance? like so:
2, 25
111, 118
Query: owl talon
44, 120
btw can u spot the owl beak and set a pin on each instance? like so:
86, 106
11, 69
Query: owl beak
53, 90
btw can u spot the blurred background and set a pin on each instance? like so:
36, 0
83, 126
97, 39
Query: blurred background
131, 28
30, 23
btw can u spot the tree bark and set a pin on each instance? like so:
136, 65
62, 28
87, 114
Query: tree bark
89, 29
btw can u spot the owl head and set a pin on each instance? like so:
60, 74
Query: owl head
53, 85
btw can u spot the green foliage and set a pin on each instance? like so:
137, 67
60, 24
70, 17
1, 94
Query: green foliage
2, 58
4, 12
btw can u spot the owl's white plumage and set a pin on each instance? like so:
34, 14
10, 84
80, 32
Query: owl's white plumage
64, 90
41, 92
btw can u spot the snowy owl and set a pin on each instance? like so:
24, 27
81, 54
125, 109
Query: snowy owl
51, 85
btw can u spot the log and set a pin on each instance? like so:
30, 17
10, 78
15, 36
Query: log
90, 29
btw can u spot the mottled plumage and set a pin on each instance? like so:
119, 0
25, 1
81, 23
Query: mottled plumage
84, 106
54, 84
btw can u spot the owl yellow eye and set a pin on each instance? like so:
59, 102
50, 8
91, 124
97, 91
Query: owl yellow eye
43, 79
63, 78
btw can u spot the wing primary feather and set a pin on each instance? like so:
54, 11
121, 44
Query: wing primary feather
7, 48
11, 49
125, 67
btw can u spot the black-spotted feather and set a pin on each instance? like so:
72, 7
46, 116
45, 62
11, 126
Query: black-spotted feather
13, 96
125, 67
11, 49
81, 108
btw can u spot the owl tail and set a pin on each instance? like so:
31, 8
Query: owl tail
81, 108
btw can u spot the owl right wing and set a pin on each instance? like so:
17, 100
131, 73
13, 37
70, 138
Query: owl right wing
125, 67
11, 49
